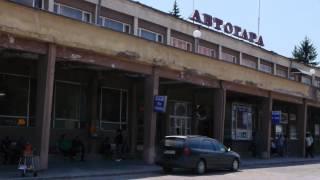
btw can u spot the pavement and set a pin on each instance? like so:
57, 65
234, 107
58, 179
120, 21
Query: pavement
66, 169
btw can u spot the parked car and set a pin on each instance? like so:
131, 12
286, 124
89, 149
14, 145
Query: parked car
198, 153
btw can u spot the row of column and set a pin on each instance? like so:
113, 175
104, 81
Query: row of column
46, 70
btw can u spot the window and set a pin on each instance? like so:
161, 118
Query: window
72, 12
317, 82
206, 51
241, 122
306, 79
152, 36
219, 147
229, 58
17, 100
207, 145
113, 109
282, 71
249, 63
67, 105
181, 44
115, 25
266, 67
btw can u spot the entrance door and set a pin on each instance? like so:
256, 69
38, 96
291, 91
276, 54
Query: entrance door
180, 118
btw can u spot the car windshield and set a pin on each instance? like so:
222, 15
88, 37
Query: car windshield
174, 142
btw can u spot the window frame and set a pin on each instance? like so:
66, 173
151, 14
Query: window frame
103, 18
157, 35
233, 57
27, 115
54, 105
182, 41
212, 51
70, 7
120, 123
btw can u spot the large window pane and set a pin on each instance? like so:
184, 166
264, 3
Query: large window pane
117, 26
148, 35
67, 101
72, 13
110, 105
15, 99
25, 2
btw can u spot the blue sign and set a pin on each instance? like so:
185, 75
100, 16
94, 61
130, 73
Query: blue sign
276, 117
160, 104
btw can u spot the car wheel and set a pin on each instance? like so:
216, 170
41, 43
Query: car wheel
235, 165
166, 169
201, 167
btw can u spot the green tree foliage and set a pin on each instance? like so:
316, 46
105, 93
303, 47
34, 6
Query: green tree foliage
305, 53
176, 10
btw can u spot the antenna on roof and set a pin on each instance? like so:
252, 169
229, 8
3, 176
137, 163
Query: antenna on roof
259, 17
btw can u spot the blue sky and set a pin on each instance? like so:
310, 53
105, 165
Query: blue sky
284, 23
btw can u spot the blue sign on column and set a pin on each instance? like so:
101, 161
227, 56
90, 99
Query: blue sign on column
160, 104
276, 117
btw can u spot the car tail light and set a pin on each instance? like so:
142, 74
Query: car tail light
186, 151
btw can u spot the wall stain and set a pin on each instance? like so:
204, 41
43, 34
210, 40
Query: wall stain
129, 55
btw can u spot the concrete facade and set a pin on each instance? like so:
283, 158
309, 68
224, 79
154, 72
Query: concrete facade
102, 51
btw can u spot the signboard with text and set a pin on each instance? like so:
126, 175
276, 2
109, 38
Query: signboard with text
276, 117
160, 104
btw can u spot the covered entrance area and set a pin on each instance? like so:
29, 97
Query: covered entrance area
247, 123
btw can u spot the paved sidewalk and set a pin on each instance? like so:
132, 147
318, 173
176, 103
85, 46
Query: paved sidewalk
59, 169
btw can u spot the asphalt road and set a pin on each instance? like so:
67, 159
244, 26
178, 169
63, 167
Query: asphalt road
305, 172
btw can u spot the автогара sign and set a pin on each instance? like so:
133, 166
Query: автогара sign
228, 28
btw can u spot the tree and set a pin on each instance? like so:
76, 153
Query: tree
175, 11
305, 53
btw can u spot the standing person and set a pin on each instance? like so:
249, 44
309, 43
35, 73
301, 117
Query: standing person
5, 148
309, 145
280, 144
118, 140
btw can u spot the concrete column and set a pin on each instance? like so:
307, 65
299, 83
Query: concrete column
274, 69
240, 58
220, 52
150, 117
45, 84
51, 5
136, 26
134, 122
93, 116
263, 135
219, 105
258, 64
169, 36
302, 126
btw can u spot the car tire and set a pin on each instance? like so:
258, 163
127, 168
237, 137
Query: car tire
166, 169
235, 165
201, 167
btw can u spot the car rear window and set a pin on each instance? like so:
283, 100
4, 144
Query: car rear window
174, 142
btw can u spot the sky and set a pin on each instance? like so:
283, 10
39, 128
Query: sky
283, 23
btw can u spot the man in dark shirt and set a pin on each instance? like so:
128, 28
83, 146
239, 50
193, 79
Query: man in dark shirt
118, 140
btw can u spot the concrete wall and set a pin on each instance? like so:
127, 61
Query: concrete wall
31, 23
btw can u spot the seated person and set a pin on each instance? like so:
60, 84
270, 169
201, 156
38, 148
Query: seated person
78, 147
65, 146
106, 147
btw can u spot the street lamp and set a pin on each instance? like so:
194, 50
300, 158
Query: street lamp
196, 34
312, 72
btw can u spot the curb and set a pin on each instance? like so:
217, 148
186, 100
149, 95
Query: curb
90, 175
